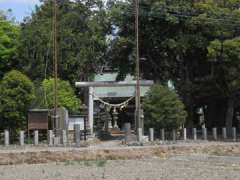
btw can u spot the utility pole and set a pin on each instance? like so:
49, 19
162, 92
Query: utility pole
138, 122
55, 60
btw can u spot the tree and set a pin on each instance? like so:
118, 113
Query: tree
175, 39
65, 95
81, 40
171, 47
17, 95
226, 55
163, 108
8, 43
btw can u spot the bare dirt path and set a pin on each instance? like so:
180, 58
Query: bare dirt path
114, 161
180, 167
112, 151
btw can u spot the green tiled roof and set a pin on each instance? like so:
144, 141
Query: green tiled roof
127, 91
110, 77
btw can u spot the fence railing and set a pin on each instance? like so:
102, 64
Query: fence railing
52, 138
62, 138
194, 134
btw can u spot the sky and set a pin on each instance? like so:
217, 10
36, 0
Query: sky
20, 8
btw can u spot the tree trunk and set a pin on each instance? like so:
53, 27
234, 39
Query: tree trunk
229, 114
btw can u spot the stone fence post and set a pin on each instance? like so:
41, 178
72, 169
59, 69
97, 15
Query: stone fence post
184, 134
77, 134
21, 140
50, 137
174, 135
64, 137
139, 135
234, 134
151, 134
214, 131
36, 137
194, 134
204, 133
162, 131
224, 133
6, 137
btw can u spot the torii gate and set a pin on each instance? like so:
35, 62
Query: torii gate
92, 85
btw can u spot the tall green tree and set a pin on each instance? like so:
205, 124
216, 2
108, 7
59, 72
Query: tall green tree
81, 40
227, 71
220, 21
8, 44
175, 39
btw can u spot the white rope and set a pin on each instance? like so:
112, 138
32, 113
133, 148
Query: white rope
123, 104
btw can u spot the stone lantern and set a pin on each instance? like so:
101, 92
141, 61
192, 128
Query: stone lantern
200, 112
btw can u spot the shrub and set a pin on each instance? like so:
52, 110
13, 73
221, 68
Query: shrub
163, 108
17, 94
65, 95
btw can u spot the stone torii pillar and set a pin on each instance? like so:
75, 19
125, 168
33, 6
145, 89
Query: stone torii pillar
90, 108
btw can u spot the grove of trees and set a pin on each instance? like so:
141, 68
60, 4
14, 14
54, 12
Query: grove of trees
195, 44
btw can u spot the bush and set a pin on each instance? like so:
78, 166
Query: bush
17, 94
163, 108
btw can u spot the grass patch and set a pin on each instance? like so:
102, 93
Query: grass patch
98, 163
69, 163
101, 163
87, 163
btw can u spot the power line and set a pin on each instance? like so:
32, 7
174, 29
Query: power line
195, 18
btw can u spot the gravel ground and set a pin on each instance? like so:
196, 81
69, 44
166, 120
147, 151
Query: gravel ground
179, 167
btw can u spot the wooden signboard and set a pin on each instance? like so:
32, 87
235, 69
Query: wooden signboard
38, 119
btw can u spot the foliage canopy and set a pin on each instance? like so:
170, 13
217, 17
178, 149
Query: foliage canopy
81, 31
8, 44
195, 44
